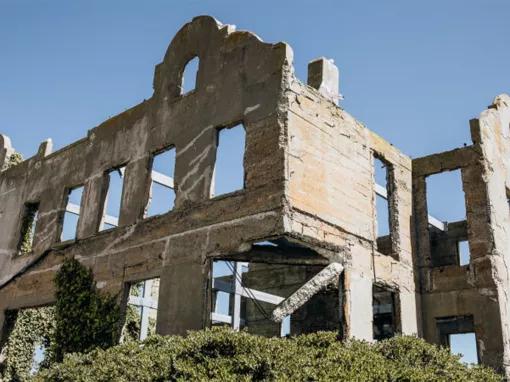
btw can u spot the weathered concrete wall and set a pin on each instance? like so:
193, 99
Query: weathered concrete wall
309, 185
479, 289
239, 80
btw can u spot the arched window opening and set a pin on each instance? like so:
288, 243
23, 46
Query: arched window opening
189, 76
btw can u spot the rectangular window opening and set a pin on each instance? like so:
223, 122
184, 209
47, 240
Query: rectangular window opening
141, 310
384, 313
28, 224
229, 167
458, 334
162, 193
382, 206
113, 201
447, 219
445, 196
246, 293
71, 214
464, 254
464, 344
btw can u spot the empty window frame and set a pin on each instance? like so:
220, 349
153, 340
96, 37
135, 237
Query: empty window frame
464, 344
463, 250
189, 76
246, 294
162, 193
458, 334
141, 310
113, 200
71, 213
229, 167
382, 178
27, 230
385, 317
445, 196
447, 219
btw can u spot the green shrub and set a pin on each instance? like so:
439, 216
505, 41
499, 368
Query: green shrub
85, 319
223, 355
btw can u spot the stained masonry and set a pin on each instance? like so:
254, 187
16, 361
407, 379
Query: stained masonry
308, 202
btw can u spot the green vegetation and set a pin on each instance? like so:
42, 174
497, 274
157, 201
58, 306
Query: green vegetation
14, 159
28, 328
223, 355
28, 228
85, 319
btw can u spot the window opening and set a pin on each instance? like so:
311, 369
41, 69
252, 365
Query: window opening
382, 206
246, 293
384, 317
445, 196
464, 254
28, 224
141, 310
229, 167
113, 202
189, 75
162, 192
464, 344
71, 213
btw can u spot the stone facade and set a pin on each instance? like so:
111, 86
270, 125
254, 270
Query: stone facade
308, 188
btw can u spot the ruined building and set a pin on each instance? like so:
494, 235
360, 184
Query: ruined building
296, 248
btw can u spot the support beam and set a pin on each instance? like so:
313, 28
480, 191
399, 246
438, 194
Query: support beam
303, 294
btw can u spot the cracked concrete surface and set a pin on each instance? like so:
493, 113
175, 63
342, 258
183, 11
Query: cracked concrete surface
309, 181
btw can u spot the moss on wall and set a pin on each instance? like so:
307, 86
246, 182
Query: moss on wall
14, 159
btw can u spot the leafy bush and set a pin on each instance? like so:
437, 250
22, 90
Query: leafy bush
223, 355
85, 319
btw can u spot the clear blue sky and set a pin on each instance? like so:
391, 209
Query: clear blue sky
413, 71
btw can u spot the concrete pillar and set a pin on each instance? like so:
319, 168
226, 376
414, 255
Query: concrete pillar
358, 310
135, 191
184, 302
323, 75
407, 314
45, 148
92, 204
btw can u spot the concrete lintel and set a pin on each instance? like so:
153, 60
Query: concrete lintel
445, 161
303, 294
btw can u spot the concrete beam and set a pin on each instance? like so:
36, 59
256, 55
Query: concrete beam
303, 294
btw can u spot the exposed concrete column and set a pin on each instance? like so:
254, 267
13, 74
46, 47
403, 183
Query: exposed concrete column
407, 314
479, 233
422, 240
323, 76
183, 296
137, 183
357, 305
92, 204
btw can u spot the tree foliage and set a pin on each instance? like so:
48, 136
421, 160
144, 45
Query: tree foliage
223, 355
85, 319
